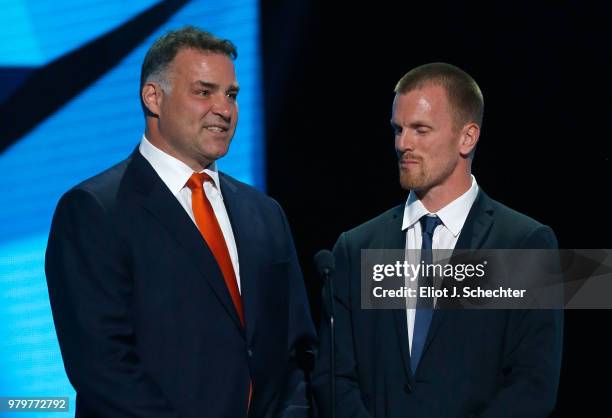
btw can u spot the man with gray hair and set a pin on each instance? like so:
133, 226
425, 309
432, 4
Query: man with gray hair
427, 362
175, 289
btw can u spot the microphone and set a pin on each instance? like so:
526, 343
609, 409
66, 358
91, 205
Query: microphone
325, 263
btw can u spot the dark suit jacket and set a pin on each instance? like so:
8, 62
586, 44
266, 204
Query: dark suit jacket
475, 363
144, 319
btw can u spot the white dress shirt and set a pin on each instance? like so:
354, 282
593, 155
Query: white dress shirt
445, 236
175, 173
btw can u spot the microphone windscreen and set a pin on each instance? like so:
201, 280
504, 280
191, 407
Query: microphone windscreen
324, 260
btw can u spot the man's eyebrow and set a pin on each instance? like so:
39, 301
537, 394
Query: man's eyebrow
415, 124
420, 123
395, 125
214, 86
208, 84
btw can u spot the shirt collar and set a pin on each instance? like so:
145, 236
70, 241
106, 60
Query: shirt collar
173, 172
453, 215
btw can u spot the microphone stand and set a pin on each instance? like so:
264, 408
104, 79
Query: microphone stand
332, 336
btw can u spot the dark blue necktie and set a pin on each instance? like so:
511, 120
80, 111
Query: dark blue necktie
424, 311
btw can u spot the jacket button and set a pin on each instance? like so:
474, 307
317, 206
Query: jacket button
250, 352
408, 388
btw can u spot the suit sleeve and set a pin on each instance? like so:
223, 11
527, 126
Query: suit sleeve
90, 289
348, 394
302, 336
531, 360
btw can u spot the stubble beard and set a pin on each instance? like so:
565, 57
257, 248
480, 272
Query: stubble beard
415, 179
422, 178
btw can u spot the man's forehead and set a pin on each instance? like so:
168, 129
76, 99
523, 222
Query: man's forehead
432, 91
414, 101
207, 67
195, 52
189, 58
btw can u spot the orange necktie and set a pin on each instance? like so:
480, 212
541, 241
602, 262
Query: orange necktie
211, 231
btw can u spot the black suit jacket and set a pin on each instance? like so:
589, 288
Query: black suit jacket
475, 363
144, 319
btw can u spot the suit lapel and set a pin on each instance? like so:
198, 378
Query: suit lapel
247, 226
165, 208
395, 238
473, 233
477, 224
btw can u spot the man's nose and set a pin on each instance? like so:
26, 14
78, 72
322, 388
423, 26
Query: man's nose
222, 106
404, 141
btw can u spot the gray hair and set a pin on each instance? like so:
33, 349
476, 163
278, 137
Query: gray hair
164, 50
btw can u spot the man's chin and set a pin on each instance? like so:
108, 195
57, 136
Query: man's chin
216, 152
411, 182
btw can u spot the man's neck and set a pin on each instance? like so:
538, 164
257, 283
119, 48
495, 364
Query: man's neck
156, 140
441, 195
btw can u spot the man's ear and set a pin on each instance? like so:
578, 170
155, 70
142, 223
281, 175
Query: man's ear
152, 96
469, 138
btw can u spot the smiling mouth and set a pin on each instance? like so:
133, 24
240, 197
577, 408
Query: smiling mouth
218, 129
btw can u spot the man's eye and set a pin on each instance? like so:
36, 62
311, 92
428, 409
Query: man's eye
397, 130
422, 131
204, 93
232, 96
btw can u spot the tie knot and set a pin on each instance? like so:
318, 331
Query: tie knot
196, 181
429, 224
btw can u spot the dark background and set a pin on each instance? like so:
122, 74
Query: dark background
544, 70
329, 72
